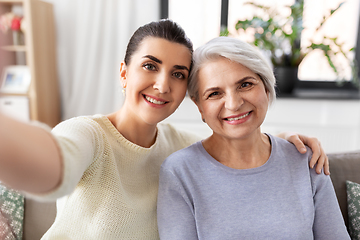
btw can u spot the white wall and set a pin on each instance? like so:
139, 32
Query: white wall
91, 37
336, 123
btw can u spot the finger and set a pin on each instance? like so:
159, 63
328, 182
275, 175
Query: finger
300, 146
320, 164
327, 165
316, 158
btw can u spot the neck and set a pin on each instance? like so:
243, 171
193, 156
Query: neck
249, 152
137, 132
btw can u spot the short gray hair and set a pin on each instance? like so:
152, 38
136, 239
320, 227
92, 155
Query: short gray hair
236, 51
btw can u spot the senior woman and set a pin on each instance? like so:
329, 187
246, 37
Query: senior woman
241, 183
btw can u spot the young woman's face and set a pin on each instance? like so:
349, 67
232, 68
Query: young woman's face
156, 79
232, 99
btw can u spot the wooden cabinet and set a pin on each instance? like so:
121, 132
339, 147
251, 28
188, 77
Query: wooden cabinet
38, 53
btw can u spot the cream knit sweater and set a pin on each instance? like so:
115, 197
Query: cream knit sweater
110, 185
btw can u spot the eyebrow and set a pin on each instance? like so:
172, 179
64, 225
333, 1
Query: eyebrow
246, 78
181, 67
155, 59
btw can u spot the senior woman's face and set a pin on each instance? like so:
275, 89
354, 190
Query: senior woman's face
232, 99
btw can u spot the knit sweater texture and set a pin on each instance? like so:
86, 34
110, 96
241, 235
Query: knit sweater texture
110, 185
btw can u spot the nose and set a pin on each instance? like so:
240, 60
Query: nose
162, 83
233, 102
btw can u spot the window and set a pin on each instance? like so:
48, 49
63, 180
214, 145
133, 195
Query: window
201, 21
344, 24
199, 18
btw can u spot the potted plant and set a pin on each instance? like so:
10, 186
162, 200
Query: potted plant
280, 36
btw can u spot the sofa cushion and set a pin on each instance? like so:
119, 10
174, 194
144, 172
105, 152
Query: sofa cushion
11, 213
39, 216
343, 167
353, 198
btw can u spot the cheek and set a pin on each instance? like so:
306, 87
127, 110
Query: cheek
180, 89
263, 104
263, 98
210, 111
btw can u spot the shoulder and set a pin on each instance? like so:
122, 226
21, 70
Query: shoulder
183, 166
184, 158
79, 124
285, 148
81, 130
177, 136
281, 143
288, 157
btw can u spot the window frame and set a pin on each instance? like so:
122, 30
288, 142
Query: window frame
332, 87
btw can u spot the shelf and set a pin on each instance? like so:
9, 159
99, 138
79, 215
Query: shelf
11, 1
37, 51
13, 48
2, 94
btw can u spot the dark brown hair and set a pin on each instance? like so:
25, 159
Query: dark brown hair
165, 29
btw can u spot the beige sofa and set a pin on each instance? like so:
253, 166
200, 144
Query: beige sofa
38, 217
343, 166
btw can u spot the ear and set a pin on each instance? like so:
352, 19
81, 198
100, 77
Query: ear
267, 94
123, 72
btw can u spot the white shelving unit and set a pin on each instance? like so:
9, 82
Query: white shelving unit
38, 53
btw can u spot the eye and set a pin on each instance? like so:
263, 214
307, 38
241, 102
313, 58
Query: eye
179, 75
149, 66
248, 84
213, 95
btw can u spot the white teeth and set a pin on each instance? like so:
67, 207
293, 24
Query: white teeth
234, 119
154, 100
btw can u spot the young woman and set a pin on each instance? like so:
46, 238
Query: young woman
103, 170
240, 183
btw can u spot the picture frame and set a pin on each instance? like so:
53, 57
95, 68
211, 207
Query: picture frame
15, 79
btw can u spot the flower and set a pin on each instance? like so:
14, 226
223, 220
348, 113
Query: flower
16, 23
5, 21
10, 21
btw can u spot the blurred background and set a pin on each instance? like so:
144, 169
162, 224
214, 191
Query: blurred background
72, 50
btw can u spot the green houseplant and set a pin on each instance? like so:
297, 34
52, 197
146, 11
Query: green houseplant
280, 36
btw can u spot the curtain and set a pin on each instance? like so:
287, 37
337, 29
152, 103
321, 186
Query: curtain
91, 37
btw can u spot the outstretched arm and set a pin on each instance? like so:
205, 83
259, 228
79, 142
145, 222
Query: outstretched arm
29, 158
319, 157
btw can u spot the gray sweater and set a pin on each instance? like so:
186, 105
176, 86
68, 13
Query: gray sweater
200, 198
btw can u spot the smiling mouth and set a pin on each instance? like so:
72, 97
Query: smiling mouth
154, 101
237, 118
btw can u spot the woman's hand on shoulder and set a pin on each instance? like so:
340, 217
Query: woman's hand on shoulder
319, 157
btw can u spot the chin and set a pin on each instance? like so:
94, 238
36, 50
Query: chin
154, 119
237, 135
